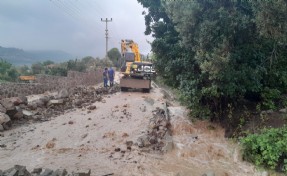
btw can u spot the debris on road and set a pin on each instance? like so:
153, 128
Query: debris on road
158, 136
19, 170
47, 106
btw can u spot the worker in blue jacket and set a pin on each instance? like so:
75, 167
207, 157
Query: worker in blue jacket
111, 73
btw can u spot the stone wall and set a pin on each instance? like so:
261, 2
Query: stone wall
45, 83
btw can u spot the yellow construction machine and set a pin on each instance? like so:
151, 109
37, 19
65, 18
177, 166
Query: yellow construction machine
136, 73
27, 78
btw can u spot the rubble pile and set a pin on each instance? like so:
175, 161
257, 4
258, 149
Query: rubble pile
18, 170
18, 109
158, 136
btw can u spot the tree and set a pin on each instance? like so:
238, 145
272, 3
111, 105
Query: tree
37, 68
24, 70
114, 55
219, 52
7, 71
47, 62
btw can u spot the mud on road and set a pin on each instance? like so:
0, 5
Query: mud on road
105, 140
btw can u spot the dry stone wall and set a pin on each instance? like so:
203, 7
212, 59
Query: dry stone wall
45, 83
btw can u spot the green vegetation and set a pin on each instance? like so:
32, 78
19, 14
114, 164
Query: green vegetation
227, 59
114, 55
7, 71
269, 148
220, 52
10, 73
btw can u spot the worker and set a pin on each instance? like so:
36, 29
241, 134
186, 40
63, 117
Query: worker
111, 76
105, 76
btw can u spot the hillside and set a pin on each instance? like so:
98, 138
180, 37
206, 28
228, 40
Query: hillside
20, 57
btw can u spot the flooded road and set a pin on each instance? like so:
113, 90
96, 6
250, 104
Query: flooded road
82, 140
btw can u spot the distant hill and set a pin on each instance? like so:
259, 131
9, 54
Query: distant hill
18, 57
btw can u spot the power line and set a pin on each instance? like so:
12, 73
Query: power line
107, 33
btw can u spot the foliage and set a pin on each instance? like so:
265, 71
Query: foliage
37, 68
220, 52
114, 55
7, 71
268, 149
270, 96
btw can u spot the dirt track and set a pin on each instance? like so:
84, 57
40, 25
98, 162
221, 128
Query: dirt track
83, 140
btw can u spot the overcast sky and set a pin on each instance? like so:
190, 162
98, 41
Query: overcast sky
73, 26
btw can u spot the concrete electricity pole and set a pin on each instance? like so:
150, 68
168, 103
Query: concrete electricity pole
107, 34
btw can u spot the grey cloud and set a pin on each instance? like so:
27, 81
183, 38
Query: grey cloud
73, 26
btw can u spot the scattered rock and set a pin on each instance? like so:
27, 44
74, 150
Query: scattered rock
92, 107
37, 171
125, 135
60, 172
209, 173
2, 146
27, 113
129, 143
45, 100
117, 149
19, 114
47, 172
50, 144
7, 125
55, 102
158, 134
63, 93
270, 111
70, 122
84, 135
4, 118
81, 173
7, 104
283, 110
2, 109
18, 170
1, 128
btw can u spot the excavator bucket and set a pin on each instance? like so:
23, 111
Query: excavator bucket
132, 83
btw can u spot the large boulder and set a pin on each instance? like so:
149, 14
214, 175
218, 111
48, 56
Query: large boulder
2, 109
4, 118
7, 104
19, 100
45, 100
63, 93
19, 114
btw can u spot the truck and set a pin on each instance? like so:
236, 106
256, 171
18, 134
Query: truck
136, 74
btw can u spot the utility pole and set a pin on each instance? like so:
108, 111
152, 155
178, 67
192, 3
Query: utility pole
107, 33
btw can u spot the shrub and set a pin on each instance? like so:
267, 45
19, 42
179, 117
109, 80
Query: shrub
268, 149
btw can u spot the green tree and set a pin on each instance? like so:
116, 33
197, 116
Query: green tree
24, 70
114, 55
7, 71
37, 68
47, 62
219, 52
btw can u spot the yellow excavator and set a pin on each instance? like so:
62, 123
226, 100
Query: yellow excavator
136, 73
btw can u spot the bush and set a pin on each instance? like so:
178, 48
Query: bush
268, 149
